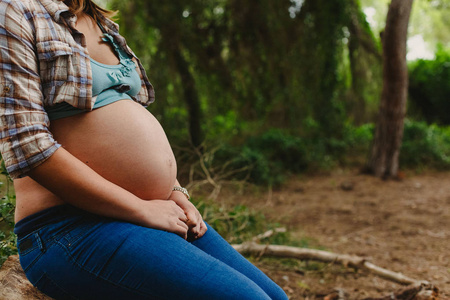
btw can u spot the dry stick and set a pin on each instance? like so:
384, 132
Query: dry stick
324, 256
268, 233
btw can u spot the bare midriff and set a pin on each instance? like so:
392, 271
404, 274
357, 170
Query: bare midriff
123, 142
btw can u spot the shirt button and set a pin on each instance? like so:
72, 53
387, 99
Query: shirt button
6, 89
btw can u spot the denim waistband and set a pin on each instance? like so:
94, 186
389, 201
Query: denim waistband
44, 217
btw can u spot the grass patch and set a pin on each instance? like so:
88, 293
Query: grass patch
239, 223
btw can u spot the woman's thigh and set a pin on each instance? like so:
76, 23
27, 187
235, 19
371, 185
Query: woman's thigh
107, 259
212, 243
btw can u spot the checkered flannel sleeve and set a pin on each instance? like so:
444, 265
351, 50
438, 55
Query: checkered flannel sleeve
25, 139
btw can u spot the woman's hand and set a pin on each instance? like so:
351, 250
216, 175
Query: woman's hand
164, 215
197, 226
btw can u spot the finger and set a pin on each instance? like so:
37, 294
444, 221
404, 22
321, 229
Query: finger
193, 234
199, 233
197, 228
185, 219
182, 216
203, 229
176, 206
183, 225
192, 219
201, 222
182, 230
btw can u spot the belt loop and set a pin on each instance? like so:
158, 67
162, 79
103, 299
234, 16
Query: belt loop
39, 242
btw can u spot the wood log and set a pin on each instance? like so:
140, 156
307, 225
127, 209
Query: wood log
324, 256
14, 285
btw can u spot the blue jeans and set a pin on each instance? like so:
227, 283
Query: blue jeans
73, 254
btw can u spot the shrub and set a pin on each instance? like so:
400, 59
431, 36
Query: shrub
7, 237
269, 157
254, 166
429, 87
283, 150
239, 224
425, 145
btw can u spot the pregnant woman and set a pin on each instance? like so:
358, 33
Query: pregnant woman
100, 213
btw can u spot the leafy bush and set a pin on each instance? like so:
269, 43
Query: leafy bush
425, 145
287, 151
7, 206
7, 237
7, 245
269, 157
239, 224
272, 156
429, 87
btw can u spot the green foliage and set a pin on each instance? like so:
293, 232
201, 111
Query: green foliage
429, 19
269, 157
7, 245
239, 224
7, 206
429, 87
287, 150
254, 61
224, 126
425, 146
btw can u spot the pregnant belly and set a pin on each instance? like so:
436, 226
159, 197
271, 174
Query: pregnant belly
125, 144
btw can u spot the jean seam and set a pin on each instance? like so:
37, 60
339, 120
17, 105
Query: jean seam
80, 266
28, 250
35, 260
32, 263
39, 242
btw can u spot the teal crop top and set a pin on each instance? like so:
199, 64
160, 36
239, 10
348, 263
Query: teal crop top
110, 83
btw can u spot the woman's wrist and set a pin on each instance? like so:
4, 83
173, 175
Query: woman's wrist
182, 190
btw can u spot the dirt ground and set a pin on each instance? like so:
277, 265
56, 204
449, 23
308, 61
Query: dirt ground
403, 226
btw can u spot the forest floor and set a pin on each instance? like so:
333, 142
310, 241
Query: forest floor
403, 226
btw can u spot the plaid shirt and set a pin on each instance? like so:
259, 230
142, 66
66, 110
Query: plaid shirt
43, 61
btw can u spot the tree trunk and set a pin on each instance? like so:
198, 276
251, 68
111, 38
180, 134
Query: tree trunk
384, 160
168, 22
190, 96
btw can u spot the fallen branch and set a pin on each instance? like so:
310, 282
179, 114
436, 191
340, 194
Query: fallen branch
324, 256
268, 233
413, 292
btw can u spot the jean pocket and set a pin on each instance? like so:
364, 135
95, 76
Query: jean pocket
49, 287
30, 250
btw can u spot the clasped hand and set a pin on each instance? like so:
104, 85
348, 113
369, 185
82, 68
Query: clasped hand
177, 215
196, 225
